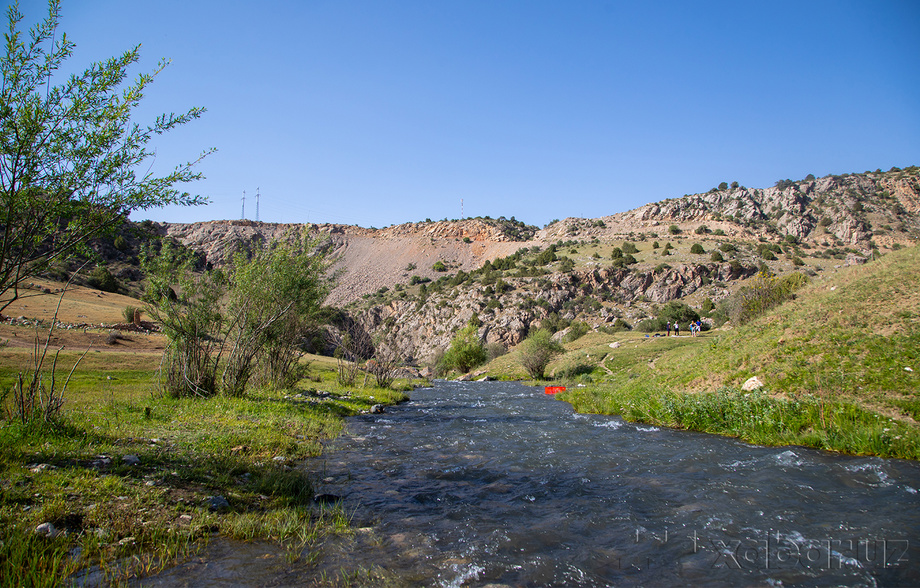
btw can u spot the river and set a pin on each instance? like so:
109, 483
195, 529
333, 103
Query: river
492, 483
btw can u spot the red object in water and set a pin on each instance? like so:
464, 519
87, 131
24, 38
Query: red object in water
554, 389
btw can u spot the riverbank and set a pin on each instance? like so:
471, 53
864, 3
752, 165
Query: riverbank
837, 368
126, 483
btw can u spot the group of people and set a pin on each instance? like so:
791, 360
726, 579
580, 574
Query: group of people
695, 328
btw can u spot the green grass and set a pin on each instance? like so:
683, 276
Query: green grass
840, 365
147, 515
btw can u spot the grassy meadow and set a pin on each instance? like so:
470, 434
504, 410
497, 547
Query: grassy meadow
126, 476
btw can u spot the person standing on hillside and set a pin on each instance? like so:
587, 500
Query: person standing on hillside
676, 329
667, 329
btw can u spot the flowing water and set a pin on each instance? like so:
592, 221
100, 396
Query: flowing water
475, 484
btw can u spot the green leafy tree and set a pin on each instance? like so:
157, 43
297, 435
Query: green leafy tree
466, 350
70, 153
537, 350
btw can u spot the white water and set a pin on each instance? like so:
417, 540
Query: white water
474, 484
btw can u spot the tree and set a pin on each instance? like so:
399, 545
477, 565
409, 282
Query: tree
69, 152
537, 350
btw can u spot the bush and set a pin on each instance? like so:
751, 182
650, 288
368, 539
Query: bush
577, 330
629, 248
708, 305
537, 351
716, 257
697, 249
494, 350
764, 292
465, 352
102, 279
674, 230
439, 266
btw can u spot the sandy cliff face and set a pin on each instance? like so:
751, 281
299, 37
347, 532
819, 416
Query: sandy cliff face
365, 259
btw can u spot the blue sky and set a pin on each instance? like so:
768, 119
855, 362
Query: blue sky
376, 113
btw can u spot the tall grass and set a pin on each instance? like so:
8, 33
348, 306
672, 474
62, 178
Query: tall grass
757, 417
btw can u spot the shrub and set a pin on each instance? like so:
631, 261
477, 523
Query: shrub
716, 257
674, 230
102, 279
465, 351
577, 330
629, 248
494, 350
537, 351
439, 266
764, 292
697, 249
708, 305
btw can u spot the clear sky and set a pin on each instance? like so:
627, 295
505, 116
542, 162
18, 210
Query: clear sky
383, 112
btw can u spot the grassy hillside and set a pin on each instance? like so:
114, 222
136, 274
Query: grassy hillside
840, 366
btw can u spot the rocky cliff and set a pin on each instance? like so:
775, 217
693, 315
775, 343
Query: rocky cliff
382, 273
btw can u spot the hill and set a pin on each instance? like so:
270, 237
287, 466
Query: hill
829, 214
411, 286
839, 368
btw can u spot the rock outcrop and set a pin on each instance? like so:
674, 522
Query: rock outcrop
856, 212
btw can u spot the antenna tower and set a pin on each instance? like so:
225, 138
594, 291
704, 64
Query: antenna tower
243, 213
257, 204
